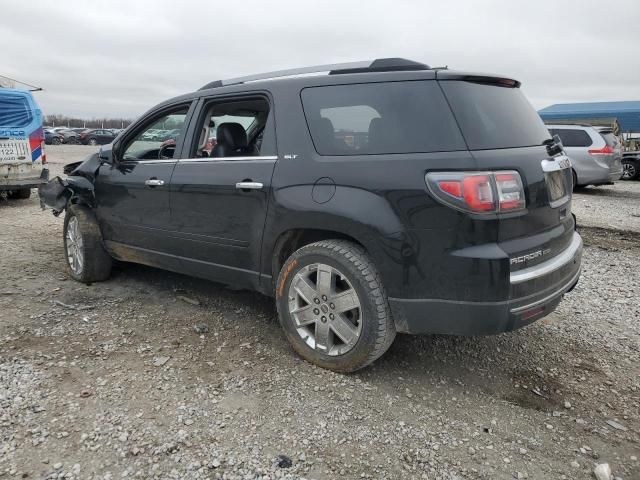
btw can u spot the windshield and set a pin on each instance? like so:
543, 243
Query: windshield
15, 111
492, 116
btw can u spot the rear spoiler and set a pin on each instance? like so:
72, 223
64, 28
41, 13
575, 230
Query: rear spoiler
485, 79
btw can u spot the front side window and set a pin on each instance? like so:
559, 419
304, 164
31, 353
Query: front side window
157, 139
235, 128
380, 118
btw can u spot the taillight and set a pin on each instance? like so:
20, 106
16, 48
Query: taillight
606, 150
44, 156
478, 192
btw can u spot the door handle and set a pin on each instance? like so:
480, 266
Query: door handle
154, 182
249, 185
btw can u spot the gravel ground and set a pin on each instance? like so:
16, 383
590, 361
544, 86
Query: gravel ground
609, 206
155, 375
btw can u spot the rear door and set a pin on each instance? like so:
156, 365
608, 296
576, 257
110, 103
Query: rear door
504, 132
219, 202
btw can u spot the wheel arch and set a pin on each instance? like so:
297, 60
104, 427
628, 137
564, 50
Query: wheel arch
354, 214
295, 238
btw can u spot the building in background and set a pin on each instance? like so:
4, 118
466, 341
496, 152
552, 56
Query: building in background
623, 117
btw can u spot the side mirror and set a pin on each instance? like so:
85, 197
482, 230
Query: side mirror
106, 156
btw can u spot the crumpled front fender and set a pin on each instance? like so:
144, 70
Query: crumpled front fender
76, 188
57, 193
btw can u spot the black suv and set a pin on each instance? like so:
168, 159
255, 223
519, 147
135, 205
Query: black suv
375, 198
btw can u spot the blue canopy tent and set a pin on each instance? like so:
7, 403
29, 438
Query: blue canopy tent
626, 113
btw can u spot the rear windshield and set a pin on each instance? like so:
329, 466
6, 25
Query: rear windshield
380, 118
15, 111
491, 116
610, 138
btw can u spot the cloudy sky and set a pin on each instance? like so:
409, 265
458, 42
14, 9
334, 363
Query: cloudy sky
118, 58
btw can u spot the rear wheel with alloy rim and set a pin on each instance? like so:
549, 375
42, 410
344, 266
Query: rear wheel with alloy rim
629, 170
86, 258
333, 307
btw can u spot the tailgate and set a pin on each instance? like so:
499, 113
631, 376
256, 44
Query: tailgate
546, 228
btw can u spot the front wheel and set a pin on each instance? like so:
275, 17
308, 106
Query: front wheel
87, 260
93, 142
333, 307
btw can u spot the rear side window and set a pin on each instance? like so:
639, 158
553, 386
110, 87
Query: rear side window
380, 118
572, 137
15, 111
492, 116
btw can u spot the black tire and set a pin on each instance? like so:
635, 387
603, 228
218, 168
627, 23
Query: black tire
55, 141
97, 262
93, 142
377, 326
21, 194
631, 170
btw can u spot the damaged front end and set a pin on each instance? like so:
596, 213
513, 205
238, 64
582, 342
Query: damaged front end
76, 188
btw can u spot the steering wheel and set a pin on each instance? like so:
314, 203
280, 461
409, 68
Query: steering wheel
165, 152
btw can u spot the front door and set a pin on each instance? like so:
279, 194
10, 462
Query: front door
219, 195
133, 193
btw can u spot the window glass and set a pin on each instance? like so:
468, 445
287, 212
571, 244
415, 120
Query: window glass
493, 116
379, 118
15, 111
572, 137
157, 139
610, 139
234, 129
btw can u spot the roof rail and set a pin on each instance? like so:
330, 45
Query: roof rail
378, 65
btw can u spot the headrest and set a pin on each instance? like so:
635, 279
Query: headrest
232, 134
377, 134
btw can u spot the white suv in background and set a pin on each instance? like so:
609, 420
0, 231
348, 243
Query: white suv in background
596, 155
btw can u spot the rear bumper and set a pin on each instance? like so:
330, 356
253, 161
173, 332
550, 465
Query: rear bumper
22, 183
535, 292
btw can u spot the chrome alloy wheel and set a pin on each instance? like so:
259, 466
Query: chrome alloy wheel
628, 170
75, 255
326, 309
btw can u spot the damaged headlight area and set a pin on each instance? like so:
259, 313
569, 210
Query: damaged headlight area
77, 188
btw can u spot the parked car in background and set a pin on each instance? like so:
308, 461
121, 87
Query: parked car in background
97, 137
21, 144
52, 138
595, 158
152, 134
630, 165
68, 136
453, 217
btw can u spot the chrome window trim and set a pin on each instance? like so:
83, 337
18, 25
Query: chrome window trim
271, 158
559, 261
147, 162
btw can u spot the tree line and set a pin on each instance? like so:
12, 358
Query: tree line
75, 122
